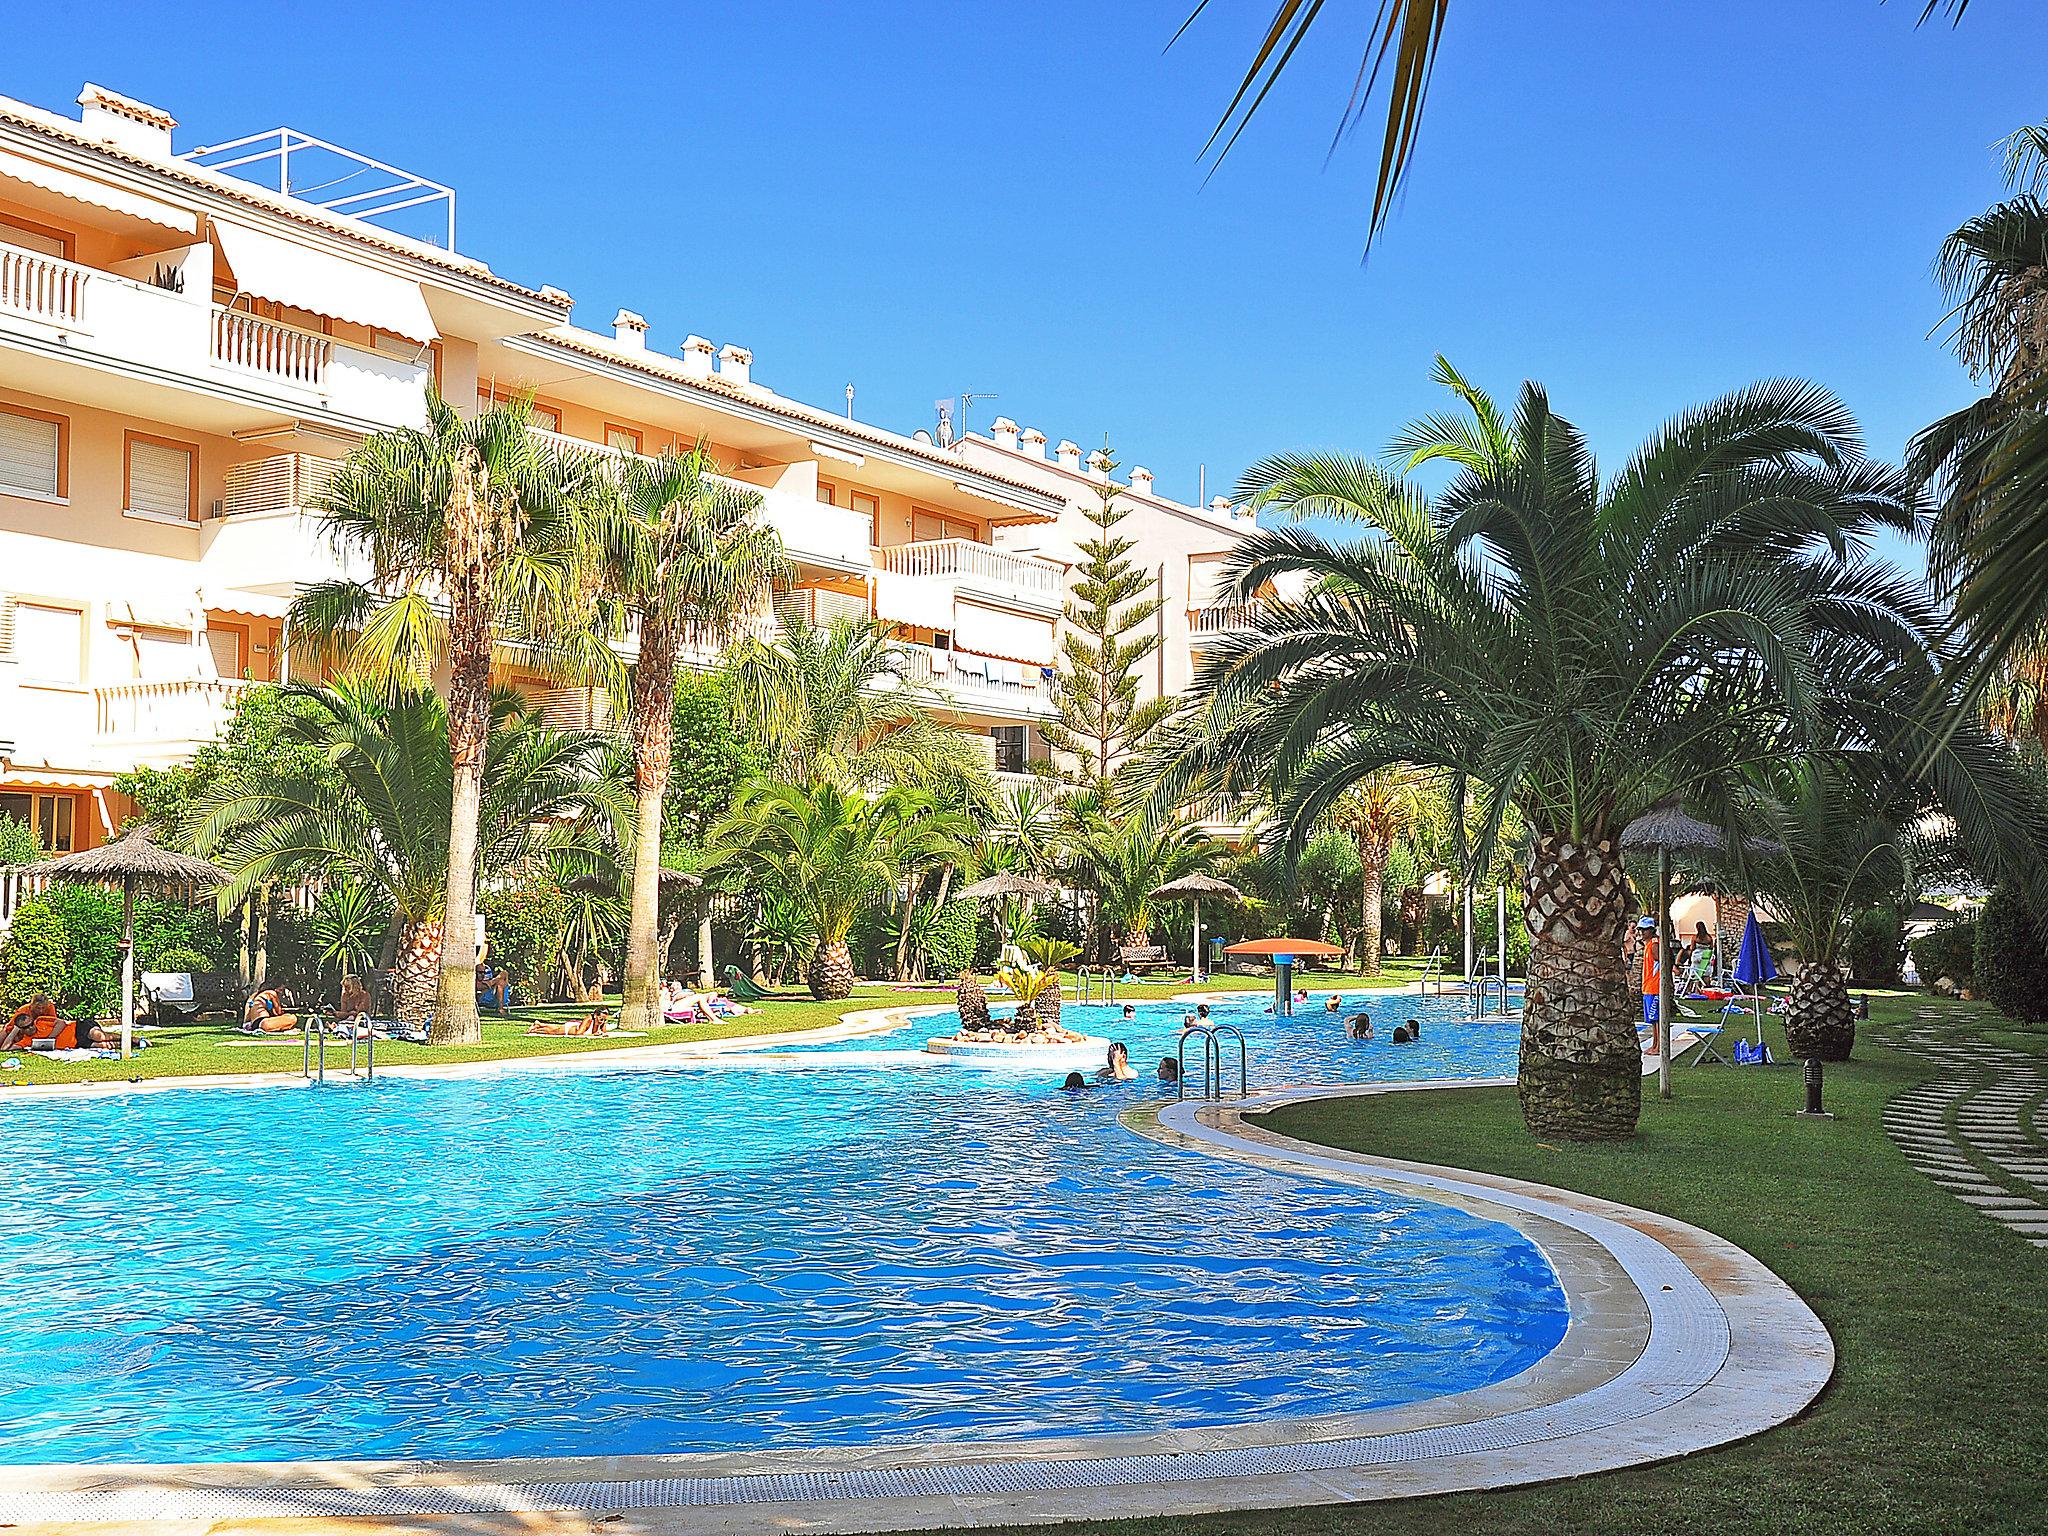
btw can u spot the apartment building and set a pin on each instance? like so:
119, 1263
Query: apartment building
185, 354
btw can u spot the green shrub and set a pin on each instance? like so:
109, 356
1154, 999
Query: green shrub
524, 922
1950, 950
1877, 946
175, 959
2012, 965
19, 843
35, 955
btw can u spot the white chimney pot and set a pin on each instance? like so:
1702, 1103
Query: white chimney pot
697, 355
630, 330
125, 122
1141, 480
1098, 465
1069, 454
734, 363
1005, 433
1032, 441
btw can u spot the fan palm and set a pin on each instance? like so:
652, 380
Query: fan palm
830, 851
842, 701
380, 820
470, 531
682, 559
1573, 648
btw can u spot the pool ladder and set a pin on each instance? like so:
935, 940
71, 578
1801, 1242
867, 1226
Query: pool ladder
1095, 983
314, 1067
1213, 1038
1432, 974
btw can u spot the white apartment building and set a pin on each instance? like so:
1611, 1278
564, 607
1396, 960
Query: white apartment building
184, 355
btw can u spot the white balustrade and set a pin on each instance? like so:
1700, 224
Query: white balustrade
265, 347
43, 287
191, 709
1222, 618
979, 564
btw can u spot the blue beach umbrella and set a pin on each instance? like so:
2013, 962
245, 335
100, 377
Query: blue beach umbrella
1754, 966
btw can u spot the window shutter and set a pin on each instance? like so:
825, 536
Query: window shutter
159, 479
28, 454
6, 626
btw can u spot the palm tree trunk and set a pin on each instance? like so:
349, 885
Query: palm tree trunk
831, 972
469, 718
415, 973
1581, 1070
914, 883
1820, 1022
707, 965
1369, 926
651, 724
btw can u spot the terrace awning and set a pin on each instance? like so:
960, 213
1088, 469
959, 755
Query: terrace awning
286, 272
75, 188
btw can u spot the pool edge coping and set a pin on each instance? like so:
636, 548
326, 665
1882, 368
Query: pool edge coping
1697, 1378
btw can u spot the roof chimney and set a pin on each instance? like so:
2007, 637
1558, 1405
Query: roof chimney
1069, 455
1141, 480
734, 362
697, 354
630, 330
125, 123
1031, 441
1005, 433
1098, 465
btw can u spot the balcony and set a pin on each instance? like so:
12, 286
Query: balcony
980, 684
980, 569
165, 720
814, 533
1222, 619
75, 312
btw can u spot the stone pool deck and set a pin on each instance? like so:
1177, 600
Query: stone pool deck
1678, 1341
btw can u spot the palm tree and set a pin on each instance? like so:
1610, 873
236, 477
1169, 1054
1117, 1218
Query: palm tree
1375, 811
470, 532
829, 851
1126, 860
1573, 648
933, 837
683, 559
843, 701
1987, 464
379, 820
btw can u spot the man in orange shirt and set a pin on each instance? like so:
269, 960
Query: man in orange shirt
1652, 970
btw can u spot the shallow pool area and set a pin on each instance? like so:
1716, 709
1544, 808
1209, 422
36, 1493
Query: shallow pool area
824, 1247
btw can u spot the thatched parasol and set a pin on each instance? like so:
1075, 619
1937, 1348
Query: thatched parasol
1198, 888
1007, 885
135, 858
608, 885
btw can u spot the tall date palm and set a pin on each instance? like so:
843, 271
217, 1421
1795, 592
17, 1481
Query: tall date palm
1570, 646
466, 532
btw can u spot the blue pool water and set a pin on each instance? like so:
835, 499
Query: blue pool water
800, 1250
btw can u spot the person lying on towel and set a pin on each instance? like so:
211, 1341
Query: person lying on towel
269, 1012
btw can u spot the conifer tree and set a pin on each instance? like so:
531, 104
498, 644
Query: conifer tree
1099, 725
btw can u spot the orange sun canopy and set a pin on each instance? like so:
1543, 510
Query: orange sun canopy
1283, 947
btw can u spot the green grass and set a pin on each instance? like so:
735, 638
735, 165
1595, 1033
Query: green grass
1934, 1422
197, 1050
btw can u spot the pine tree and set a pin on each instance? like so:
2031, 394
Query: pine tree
1099, 724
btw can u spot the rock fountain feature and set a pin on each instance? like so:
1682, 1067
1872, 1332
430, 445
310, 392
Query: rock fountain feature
1031, 1036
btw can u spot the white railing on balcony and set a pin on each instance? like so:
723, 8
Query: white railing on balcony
265, 347
190, 709
1221, 619
982, 564
43, 287
281, 483
978, 682
819, 606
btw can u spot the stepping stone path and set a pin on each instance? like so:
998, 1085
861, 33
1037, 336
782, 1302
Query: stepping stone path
1980, 1130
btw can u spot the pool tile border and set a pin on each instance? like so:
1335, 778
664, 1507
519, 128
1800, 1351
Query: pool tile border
1679, 1341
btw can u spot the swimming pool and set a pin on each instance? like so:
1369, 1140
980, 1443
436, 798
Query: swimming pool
779, 1251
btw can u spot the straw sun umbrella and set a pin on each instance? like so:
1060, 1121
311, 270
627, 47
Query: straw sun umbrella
133, 859
1007, 885
1198, 888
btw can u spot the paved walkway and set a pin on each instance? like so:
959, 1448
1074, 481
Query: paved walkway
1980, 1129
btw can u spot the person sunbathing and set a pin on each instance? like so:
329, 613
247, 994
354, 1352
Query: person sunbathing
596, 1022
493, 988
269, 1012
354, 1000
37, 1016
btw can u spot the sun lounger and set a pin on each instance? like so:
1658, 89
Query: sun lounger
745, 991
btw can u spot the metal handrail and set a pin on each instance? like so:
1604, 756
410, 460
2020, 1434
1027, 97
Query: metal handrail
1212, 1061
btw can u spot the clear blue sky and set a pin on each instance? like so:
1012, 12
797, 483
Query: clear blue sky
1641, 204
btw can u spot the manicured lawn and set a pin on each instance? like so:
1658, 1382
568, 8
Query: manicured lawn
1935, 1420
201, 1049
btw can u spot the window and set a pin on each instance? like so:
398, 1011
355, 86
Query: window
868, 506
621, 439
32, 456
163, 477
936, 525
827, 491
1010, 746
54, 817
49, 642
547, 417
163, 655
40, 238
230, 646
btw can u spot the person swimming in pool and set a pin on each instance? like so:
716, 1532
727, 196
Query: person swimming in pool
1401, 1035
1119, 1068
1130, 1012
1415, 1029
1202, 1012
1333, 1002
1359, 1026
1169, 1070
1075, 1083
1187, 1022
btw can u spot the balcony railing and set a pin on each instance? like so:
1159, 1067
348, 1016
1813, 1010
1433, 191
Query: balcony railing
1220, 619
191, 709
43, 288
281, 483
981, 565
265, 347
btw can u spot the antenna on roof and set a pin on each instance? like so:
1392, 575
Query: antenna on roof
849, 402
945, 432
967, 399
